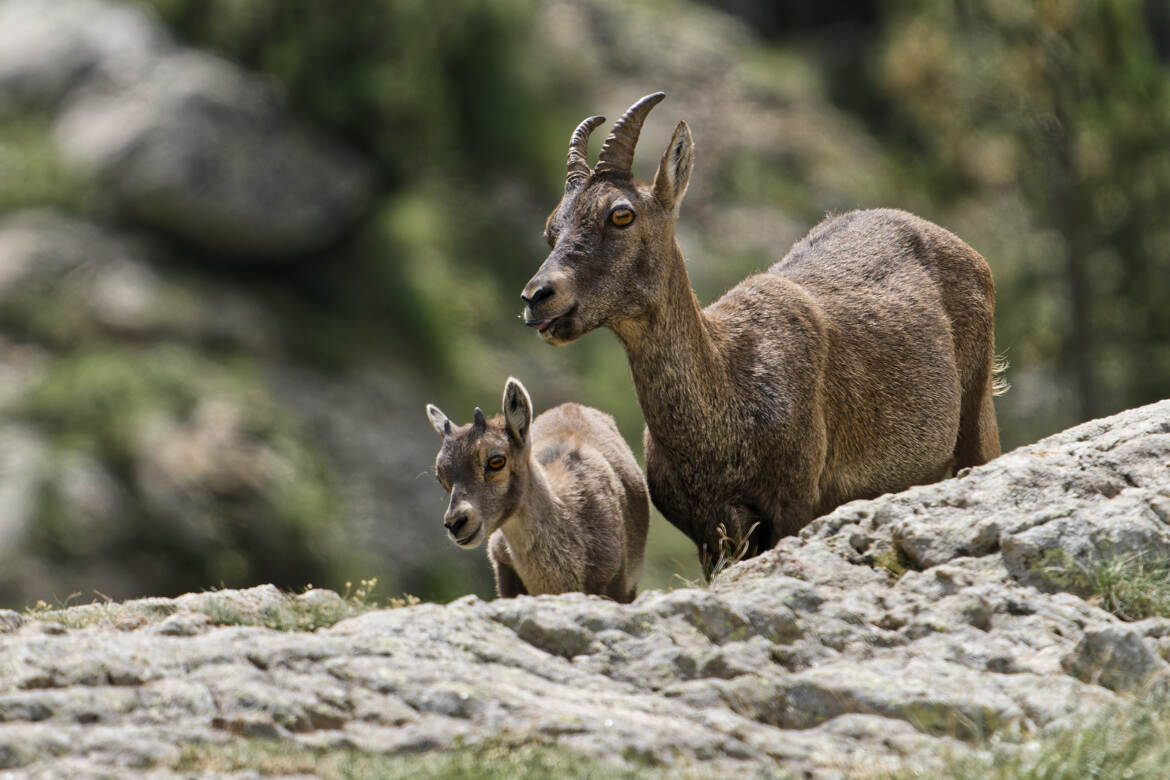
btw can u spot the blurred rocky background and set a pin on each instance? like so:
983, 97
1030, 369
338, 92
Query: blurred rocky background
242, 244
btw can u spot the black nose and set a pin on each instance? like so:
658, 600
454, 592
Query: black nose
455, 524
542, 292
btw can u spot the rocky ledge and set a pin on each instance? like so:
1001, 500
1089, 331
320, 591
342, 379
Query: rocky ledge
894, 632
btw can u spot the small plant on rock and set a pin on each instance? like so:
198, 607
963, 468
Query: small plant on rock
1133, 588
731, 550
1131, 741
308, 611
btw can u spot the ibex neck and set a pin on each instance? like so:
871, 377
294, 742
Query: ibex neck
675, 358
536, 514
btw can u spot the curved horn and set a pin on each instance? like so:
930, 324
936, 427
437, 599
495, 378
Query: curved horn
480, 422
579, 152
618, 152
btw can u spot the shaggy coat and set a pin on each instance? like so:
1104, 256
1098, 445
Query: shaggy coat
560, 499
859, 364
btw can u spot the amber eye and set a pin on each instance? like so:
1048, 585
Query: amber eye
496, 462
621, 216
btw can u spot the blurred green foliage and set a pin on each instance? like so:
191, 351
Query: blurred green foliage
31, 173
381, 72
433, 95
255, 502
449, 103
1058, 110
1037, 131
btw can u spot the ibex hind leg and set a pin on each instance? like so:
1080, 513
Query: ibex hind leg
978, 440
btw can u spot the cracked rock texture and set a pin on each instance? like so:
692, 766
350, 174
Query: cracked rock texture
812, 659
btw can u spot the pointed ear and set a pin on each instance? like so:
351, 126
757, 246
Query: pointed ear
439, 420
674, 172
517, 411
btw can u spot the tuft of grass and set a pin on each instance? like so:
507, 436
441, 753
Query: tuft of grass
1132, 741
893, 562
302, 613
481, 762
1133, 588
104, 612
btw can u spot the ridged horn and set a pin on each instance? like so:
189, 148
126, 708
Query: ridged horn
617, 154
578, 169
480, 422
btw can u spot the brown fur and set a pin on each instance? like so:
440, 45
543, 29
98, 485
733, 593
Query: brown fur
859, 364
567, 512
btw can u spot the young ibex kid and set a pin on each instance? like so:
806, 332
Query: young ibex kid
860, 363
560, 499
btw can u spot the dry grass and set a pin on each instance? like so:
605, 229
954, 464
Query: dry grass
306, 611
1131, 742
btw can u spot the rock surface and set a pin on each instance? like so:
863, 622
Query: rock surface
812, 659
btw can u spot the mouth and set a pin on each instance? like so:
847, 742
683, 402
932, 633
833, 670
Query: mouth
544, 325
472, 539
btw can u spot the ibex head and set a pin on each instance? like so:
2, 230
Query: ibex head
484, 465
610, 234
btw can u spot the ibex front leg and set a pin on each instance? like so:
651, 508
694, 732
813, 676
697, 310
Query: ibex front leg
508, 582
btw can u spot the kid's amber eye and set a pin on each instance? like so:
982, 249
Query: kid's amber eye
496, 462
621, 217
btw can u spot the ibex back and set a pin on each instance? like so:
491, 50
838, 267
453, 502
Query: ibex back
861, 363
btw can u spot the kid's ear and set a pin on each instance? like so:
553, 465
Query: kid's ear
674, 171
439, 420
517, 411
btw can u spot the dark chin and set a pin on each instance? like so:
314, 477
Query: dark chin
563, 331
472, 541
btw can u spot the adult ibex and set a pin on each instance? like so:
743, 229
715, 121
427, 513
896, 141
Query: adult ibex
560, 498
860, 363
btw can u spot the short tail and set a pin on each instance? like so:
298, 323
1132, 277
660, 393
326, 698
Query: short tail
999, 367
